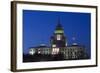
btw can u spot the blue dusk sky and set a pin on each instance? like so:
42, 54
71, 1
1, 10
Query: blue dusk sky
39, 26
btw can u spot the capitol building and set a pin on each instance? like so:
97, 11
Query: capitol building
59, 46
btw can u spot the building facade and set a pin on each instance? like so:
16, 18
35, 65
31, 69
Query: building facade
59, 45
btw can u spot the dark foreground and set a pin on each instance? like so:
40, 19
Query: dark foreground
39, 57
